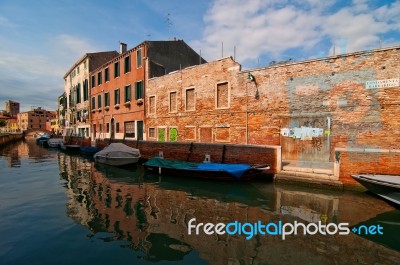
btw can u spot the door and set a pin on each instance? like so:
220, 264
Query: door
306, 138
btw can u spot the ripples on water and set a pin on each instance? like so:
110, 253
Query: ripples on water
65, 209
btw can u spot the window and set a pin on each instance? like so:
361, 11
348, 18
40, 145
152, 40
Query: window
100, 128
99, 78
161, 134
190, 99
152, 133
130, 129
152, 105
99, 101
93, 83
117, 127
85, 90
106, 75
139, 90
78, 93
172, 102
222, 96
127, 94
107, 127
116, 96
173, 135
106, 99
127, 64
93, 102
116, 69
139, 58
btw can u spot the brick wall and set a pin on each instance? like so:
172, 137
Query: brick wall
332, 89
367, 161
195, 152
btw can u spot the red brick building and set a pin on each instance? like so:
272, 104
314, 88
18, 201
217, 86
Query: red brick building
118, 87
342, 109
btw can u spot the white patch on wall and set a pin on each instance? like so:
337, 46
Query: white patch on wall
306, 89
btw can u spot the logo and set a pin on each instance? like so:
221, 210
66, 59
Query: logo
275, 229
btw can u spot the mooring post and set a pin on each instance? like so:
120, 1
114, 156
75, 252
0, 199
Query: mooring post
223, 153
190, 151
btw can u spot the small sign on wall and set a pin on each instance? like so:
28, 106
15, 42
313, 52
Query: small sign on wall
383, 83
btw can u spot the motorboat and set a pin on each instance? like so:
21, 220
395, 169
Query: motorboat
117, 154
385, 186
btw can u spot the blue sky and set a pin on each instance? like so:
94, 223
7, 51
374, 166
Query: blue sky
41, 39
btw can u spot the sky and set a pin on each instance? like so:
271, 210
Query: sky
41, 39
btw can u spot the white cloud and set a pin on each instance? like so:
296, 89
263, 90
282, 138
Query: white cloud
73, 45
6, 23
38, 78
274, 27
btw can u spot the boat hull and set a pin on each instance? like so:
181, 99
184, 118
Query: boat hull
217, 174
70, 148
385, 186
54, 142
116, 161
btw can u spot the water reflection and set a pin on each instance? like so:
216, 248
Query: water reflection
151, 213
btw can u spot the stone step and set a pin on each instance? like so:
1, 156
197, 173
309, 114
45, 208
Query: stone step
326, 171
312, 178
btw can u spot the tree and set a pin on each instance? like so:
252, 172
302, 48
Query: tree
3, 123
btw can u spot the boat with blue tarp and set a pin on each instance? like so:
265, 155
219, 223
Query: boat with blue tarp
205, 170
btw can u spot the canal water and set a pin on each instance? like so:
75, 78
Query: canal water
65, 209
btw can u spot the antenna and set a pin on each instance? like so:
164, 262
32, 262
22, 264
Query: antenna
222, 49
169, 23
200, 57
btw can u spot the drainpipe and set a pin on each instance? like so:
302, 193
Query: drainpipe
247, 115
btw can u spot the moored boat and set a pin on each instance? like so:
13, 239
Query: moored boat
69, 148
216, 171
385, 186
54, 142
89, 150
117, 154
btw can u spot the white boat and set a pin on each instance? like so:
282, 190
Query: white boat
117, 154
386, 186
55, 142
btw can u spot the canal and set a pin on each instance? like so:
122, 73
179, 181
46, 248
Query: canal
64, 209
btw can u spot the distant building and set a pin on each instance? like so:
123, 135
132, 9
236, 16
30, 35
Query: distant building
12, 108
77, 92
35, 119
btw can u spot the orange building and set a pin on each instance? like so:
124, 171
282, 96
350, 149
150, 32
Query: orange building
118, 87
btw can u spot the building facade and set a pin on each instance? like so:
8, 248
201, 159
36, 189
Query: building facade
76, 88
35, 119
342, 109
197, 104
117, 88
61, 113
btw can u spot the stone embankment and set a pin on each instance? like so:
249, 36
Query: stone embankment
10, 138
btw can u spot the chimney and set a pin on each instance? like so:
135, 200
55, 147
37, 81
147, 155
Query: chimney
122, 47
